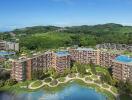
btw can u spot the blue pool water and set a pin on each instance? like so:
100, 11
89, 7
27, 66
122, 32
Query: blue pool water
5, 53
124, 58
72, 92
62, 53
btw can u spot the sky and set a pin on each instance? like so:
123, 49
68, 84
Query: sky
23, 13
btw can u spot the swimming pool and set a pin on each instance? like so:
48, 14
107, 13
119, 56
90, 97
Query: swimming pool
123, 58
5, 53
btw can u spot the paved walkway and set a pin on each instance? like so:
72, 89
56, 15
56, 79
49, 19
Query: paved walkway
67, 79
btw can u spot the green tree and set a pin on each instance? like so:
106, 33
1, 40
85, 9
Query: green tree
92, 67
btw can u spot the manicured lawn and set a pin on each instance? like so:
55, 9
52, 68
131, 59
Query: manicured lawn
61, 79
37, 83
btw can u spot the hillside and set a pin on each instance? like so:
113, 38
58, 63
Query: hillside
43, 37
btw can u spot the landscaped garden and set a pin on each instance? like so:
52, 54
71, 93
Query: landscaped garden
47, 80
37, 83
61, 79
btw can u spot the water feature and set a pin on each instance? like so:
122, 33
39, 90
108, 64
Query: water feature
123, 58
72, 92
5, 53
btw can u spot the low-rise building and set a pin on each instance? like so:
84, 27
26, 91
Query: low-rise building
4, 45
114, 46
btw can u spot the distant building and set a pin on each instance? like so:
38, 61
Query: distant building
4, 45
114, 46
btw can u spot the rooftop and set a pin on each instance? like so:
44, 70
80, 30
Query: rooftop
85, 49
62, 53
124, 59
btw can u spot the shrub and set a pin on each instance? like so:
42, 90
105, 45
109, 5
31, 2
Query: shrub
94, 76
80, 75
105, 86
10, 82
71, 75
97, 81
61, 79
114, 89
37, 83
88, 79
88, 73
1, 83
54, 82
48, 80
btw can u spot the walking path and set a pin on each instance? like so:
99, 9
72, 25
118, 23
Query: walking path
67, 79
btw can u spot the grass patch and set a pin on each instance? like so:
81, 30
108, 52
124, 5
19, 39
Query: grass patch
80, 76
16, 88
37, 83
95, 77
101, 69
114, 89
97, 81
105, 86
71, 75
88, 79
54, 82
47, 80
61, 79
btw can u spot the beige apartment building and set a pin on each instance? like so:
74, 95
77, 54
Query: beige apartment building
122, 68
84, 55
23, 68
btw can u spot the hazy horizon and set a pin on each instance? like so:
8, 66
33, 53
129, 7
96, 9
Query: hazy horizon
27, 13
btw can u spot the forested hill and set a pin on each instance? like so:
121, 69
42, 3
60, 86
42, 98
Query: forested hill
43, 37
95, 29
35, 29
100, 29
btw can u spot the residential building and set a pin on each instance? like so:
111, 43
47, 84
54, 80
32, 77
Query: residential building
62, 61
106, 57
23, 68
4, 45
122, 68
114, 46
85, 55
